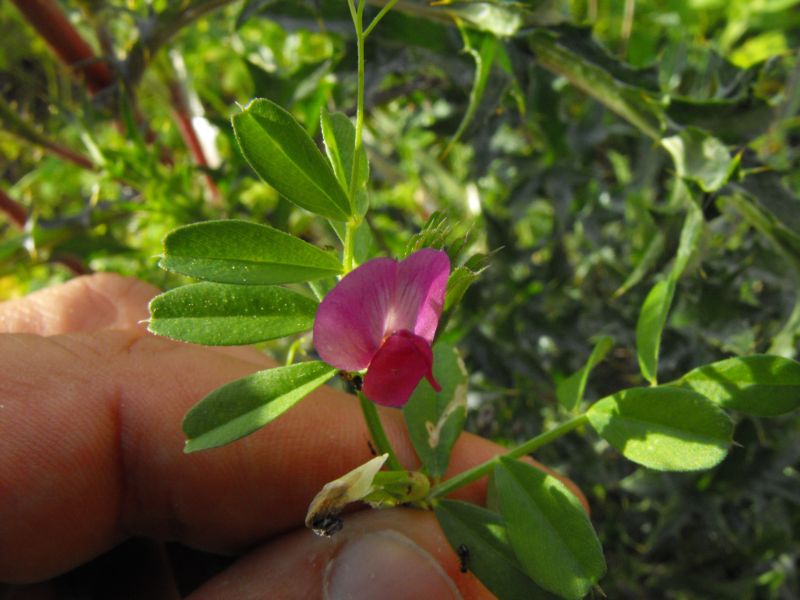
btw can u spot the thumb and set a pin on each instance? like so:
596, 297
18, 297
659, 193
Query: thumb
392, 554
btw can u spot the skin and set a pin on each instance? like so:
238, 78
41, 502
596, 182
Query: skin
90, 414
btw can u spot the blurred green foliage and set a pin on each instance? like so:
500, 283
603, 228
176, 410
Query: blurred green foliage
558, 172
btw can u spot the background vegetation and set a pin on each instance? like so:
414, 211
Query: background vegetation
537, 128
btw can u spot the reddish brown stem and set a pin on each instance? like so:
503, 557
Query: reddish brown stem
70, 155
181, 111
54, 27
15, 212
74, 264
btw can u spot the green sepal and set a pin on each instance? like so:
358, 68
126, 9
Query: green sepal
435, 419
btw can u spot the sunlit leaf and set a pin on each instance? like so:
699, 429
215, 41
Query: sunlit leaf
340, 136
284, 156
244, 253
457, 285
217, 314
665, 428
759, 385
480, 536
549, 530
701, 158
503, 18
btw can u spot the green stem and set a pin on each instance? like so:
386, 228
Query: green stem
373, 420
358, 23
290, 356
348, 253
371, 416
531, 445
349, 247
387, 7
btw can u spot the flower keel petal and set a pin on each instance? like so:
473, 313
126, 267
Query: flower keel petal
400, 364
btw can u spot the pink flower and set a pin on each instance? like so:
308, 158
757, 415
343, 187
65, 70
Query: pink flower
382, 317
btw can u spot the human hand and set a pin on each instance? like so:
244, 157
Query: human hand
90, 414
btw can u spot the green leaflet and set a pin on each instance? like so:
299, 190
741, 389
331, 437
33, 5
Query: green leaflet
434, 419
340, 137
483, 54
651, 255
761, 385
550, 532
656, 307
218, 314
245, 405
650, 326
245, 253
284, 156
664, 428
570, 391
483, 534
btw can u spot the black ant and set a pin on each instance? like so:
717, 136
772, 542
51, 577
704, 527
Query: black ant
463, 557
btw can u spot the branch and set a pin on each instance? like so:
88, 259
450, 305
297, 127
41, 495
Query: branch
15, 212
46, 17
74, 264
183, 115
13, 123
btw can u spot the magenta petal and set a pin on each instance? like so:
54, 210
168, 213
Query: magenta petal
421, 286
400, 364
350, 322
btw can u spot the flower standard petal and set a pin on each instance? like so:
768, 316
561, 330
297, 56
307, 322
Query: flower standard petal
350, 323
421, 286
400, 364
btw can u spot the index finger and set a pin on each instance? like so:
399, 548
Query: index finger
93, 452
88, 303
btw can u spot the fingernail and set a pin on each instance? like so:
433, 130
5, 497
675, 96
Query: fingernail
386, 565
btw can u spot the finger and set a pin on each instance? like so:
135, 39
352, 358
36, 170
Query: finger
93, 452
92, 302
390, 554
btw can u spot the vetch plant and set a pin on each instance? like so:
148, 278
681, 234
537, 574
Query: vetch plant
380, 320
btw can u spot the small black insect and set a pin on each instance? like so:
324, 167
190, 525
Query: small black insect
327, 525
463, 557
353, 379
372, 448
